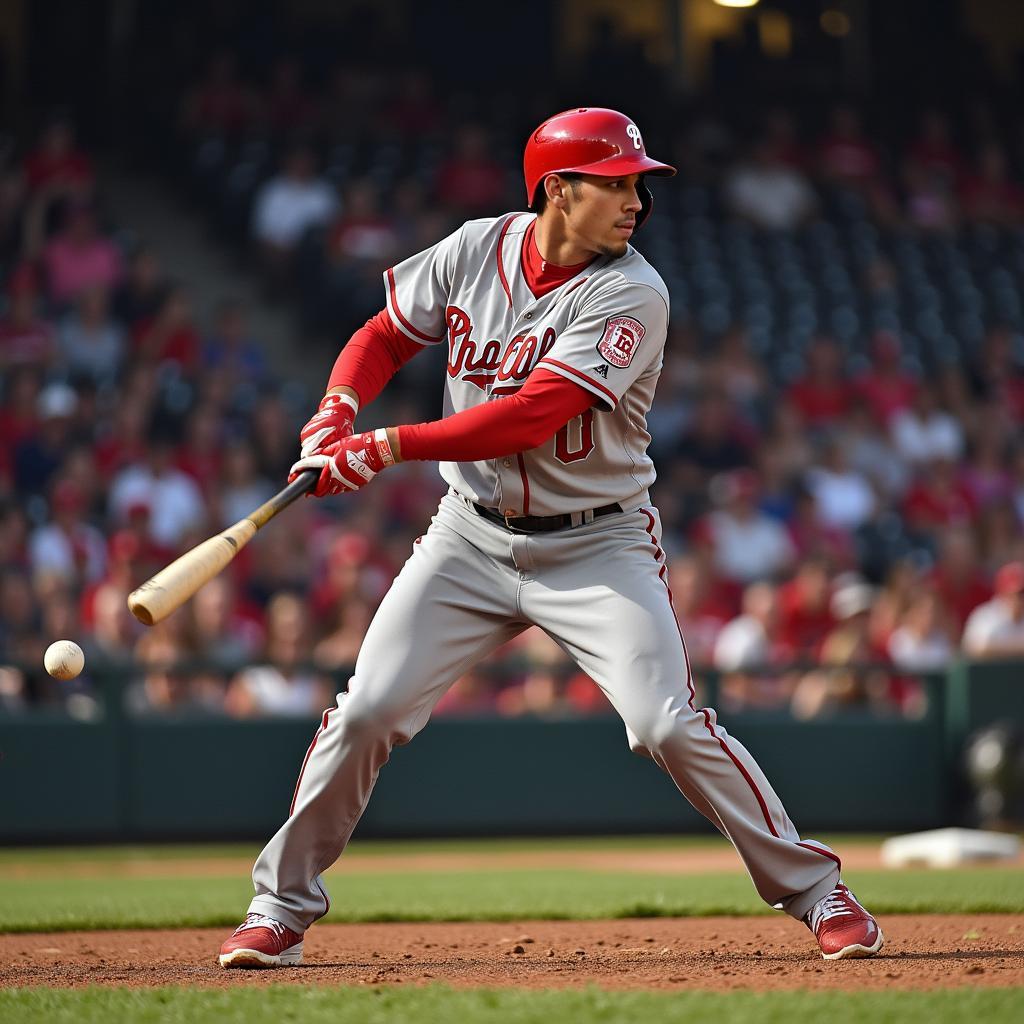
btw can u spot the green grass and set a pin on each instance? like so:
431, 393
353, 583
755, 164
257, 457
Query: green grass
56, 855
56, 904
441, 1005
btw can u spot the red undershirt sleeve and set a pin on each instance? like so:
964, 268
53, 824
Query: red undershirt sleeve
504, 426
373, 355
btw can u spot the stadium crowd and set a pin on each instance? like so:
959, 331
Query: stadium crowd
839, 521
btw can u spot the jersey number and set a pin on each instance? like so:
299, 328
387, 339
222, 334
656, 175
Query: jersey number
575, 441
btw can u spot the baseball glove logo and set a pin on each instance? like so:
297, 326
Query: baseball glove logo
621, 339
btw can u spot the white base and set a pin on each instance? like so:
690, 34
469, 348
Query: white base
948, 847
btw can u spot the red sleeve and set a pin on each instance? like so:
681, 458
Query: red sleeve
373, 355
503, 426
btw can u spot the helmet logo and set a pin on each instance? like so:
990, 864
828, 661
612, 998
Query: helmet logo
634, 133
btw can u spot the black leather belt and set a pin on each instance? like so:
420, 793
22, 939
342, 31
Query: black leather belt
540, 524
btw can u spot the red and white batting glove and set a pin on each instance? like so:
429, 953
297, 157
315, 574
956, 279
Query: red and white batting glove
348, 464
329, 424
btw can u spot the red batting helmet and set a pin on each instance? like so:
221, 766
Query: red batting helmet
589, 140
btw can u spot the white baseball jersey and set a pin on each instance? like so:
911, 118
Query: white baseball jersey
604, 329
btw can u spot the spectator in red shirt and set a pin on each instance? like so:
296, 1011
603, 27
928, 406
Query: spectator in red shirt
989, 194
219, 106
170, 336
938, 499
805, 617
25, 339
957, 576
471, 181
201, 455
56, 166
886, 386
822, 395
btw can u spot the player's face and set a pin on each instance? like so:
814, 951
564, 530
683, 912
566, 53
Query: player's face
601, 213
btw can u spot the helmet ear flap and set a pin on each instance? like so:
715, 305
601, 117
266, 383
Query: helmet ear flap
646, 202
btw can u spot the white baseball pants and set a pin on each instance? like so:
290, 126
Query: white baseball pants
600, 591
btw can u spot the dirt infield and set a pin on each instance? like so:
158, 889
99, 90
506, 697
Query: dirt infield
922, 952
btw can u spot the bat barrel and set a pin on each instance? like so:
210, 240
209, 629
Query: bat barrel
173, 586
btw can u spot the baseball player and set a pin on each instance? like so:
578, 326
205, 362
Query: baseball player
555, 329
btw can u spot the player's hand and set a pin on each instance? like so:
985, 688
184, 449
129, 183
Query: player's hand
329, 424
348, 464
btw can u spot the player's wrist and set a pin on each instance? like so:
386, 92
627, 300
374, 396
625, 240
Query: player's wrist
341, 395
394, 437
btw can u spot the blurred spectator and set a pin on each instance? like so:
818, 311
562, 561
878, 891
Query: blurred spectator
281, 686
201, 455
170, 336
823, 394
166, 687
714, 441
56, 167
747, 544
68, 545
38, 455
224, 633
736, 371
750, 640
813, 537
886, 387
363, 234
844, 499
938, 498
230, 350
286, 108
91, 344
155, 487
142, 291
930, 202
769, 192
933, 151
218, 105
340, 647
287, 206
870, 451
238, 488
848, 678
113, 631
805, 615
80, 257
990, 195
25, 338
845, 155
471, 183
996, 628
924, 641
924, 432
957, 576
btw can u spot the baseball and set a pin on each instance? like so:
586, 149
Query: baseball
64, 659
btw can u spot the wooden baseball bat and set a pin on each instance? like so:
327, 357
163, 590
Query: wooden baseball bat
172, 586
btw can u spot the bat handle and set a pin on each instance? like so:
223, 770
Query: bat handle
301, 485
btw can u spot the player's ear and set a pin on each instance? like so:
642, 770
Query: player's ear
556, 189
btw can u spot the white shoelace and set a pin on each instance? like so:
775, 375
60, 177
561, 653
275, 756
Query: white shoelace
260, 921
835, 904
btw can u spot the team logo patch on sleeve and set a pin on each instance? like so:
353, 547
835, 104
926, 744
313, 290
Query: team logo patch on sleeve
621, 338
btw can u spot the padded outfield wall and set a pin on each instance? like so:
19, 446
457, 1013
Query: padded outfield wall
121, 778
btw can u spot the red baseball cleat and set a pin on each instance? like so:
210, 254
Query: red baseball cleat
843, 928
261, 941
